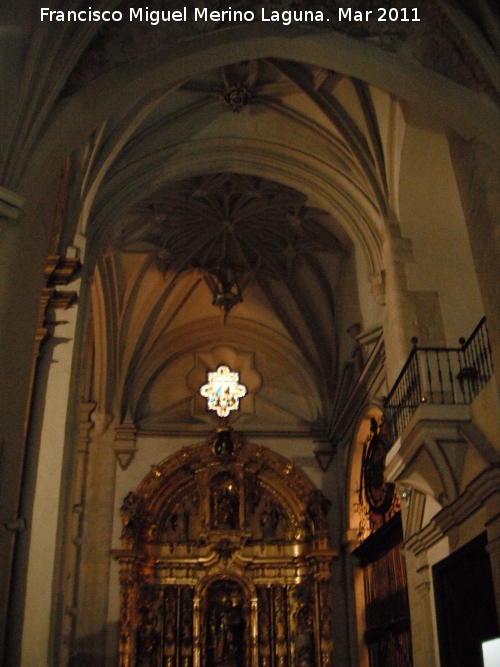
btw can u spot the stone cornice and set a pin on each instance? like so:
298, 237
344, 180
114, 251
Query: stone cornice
475, 495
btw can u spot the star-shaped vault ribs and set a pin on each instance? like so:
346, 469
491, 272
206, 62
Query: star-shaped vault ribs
223, 391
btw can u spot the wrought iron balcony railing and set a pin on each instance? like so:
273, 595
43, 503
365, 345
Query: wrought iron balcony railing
437, 375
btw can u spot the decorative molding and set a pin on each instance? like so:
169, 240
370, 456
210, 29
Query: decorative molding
376, 285
125, 445
101, 421
324, 457
473, 498
61, 270
62, 300
58, 271
204, 433
415, 513
16, 525
85, 425
124, 458
10, 203
225, 549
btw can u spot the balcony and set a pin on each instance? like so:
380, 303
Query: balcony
440, 376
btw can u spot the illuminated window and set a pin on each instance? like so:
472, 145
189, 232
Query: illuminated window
223, 391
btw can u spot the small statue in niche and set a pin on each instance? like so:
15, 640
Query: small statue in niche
269, 519
226, 625
226, 506
129, 502
317, 510
132, 515
224, 445
225, 620
252, 495
179, 522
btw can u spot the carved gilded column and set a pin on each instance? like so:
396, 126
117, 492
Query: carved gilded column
186, 626
292, 624
304, 602
264, 626
325, 623
196, 632
280, 626
254, 630
127, 605
170, 624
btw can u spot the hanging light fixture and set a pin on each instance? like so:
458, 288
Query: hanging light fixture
223, 283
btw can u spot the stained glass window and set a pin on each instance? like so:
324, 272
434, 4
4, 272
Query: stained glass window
223, 391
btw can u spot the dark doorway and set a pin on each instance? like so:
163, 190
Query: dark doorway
465, 604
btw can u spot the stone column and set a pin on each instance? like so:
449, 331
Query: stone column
48, 427
421, 610
73, 545
400, 323
22, 257
477, 168
93, 589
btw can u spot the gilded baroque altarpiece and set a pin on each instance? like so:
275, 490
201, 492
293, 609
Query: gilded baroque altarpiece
225, 562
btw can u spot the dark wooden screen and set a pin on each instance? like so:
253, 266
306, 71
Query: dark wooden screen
388, 632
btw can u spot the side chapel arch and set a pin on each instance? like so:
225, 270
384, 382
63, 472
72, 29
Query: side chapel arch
225, 562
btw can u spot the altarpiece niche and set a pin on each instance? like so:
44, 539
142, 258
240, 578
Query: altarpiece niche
225, 562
